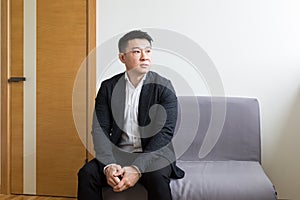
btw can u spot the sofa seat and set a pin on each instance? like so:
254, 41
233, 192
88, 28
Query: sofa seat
226, 180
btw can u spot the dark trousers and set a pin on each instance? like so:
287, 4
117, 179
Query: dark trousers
91, 180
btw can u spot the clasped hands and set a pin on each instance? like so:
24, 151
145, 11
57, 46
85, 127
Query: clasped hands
121, 178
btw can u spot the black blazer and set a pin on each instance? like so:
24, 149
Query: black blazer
157, 116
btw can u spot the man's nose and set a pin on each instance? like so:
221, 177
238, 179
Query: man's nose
144, 55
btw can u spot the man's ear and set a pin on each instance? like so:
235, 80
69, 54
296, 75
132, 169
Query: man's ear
122, 57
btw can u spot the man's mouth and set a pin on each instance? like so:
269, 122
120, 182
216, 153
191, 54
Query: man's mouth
144, 65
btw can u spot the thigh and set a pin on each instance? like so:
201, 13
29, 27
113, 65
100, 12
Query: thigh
93, 171
157, 184
156, 177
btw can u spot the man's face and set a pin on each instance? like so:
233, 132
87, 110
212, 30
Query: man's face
137, 56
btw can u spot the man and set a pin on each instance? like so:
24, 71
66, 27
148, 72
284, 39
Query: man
134, 121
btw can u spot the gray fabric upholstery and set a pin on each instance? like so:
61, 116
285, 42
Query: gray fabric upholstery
240, 137
231, 170
224, 180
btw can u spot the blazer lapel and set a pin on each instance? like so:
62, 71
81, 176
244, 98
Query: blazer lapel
145, 102
118, 102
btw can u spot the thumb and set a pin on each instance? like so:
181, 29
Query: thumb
119, 172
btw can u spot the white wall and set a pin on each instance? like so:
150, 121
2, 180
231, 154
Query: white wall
255, 46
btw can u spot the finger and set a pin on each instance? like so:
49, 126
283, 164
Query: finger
112, 180
120, 187
119, 172
124, 184
111, 184
115, 180
117, 189
113, 168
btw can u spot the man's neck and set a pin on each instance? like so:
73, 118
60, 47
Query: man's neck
135, 78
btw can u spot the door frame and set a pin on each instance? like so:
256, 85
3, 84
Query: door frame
5, 86
5, 112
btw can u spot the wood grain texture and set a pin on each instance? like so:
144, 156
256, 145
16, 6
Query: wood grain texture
61, 47
23, 197
5, 103
16, 97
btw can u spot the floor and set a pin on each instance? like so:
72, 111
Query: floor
22, 197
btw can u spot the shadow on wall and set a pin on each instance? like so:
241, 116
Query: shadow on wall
287, 150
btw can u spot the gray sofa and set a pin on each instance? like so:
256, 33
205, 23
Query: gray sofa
217, 143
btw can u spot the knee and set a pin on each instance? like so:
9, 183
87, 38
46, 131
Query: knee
156, 178
83, 172
89, 170
157, 185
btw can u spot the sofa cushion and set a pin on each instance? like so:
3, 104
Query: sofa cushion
224, 180
240, 130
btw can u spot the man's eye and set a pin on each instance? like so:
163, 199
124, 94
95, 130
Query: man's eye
148, 51
136, 52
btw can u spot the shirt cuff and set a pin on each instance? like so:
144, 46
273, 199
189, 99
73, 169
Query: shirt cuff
137, 169
107, 167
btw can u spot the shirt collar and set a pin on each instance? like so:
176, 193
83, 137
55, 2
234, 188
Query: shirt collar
140, 83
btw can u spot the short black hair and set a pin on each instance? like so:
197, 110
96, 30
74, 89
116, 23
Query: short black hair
135, 34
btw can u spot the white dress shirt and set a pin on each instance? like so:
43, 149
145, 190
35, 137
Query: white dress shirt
130, 139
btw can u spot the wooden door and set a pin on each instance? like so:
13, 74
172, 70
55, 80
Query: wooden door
44, 148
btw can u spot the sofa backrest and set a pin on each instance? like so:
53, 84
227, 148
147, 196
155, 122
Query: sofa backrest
217, 128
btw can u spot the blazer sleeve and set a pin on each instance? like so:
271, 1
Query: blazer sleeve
158, 147
101, 127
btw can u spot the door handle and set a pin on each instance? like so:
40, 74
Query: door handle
16, 79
